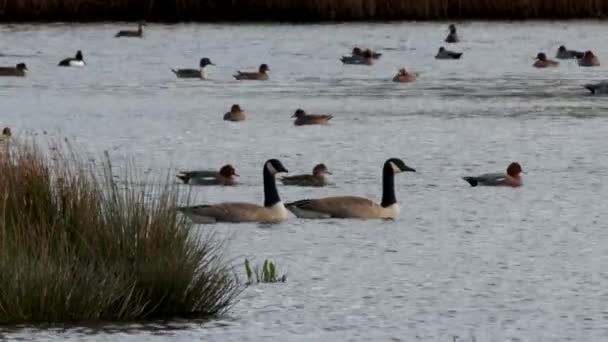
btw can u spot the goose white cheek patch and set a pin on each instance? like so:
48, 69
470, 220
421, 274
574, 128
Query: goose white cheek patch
271, 169
395, 168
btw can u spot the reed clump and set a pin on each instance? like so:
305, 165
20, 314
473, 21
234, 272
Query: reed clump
75, 246
297, 10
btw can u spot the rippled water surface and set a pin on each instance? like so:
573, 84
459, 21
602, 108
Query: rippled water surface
496, 264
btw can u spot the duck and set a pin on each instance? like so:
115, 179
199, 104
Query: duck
598, 88
563, 53
357, 51
226, 176
589, 59
366, 58
511, 178
273, 211
310, 119
447, 54
452, 36
18, 70
194, 73
404, 76
235, 114
356, 207
128, 33
77, 60
543, 62
260, 75
318, 177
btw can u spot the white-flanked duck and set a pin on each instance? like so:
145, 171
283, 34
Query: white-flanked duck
139, 33
452, 35
303, 118
226, 176
598, 88
273, 210
260, 75
194, 73
543, 62
511, 178
356, 207
76, 61
403, 76
318, 177
18, 70
563, 53
235, 114
442, 53
589, 59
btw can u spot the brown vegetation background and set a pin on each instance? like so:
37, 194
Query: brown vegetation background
296, 10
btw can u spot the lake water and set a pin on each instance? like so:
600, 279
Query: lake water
493, 264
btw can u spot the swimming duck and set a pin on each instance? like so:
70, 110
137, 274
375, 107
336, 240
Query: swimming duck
543, 62
18, 70
273, 210
317, 178
598, 88
404, 76
563, 53
452, 36
357, 51
226, 176
76, 61
261, 74
511, 178
447, 54
194, 73
310, 119
128, 33
365, 58
589, 59
356, 207
235, 114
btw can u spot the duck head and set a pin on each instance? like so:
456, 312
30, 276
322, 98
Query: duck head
235, 108
367, 54
402, 72
397, 166
299, 113
562, 49
204, 62
21, 66
514, 169
7, 132
356, 51
588, 54
441, 49
274, 166
320, 169
452, 28
79, 55
264, 68
228, 171
541, 56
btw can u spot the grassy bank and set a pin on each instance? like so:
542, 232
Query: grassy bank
296, 10
76, 246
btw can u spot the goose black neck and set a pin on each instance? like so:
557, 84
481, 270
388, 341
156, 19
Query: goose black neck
388, 186
271, 195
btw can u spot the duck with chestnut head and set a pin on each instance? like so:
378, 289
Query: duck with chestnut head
404, 76
543, 62
512, 177
302, 118
589, 59
226, 176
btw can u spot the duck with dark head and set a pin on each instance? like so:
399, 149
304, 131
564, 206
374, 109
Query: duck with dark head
510, 178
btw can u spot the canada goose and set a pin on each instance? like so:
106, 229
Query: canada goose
128, 33
235, 114
18, 70
360, 52
404, 76
273, 210
598, 88
511, 178
589, 59
76, 61
563, 53
447, 54
317, 178
260, 75
356, 207
452, 36
543, 62
194, 73
366, 58
226, 176
310, 119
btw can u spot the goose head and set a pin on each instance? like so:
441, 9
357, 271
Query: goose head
320, 170
299, 113
204, 62
397, 165
263, 68
274, 166
514, 169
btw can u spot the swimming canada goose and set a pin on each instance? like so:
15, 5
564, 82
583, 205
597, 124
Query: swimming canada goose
235, 114
18, 70
452, 36
598, 88
447, 54
77, 60
404, 76
366, 58
511, 178
273, 210
194, 73
128, 33
226, 176
356, 207
317, 178
310, 119
589, 59
563, 53
543, 62
260, 75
